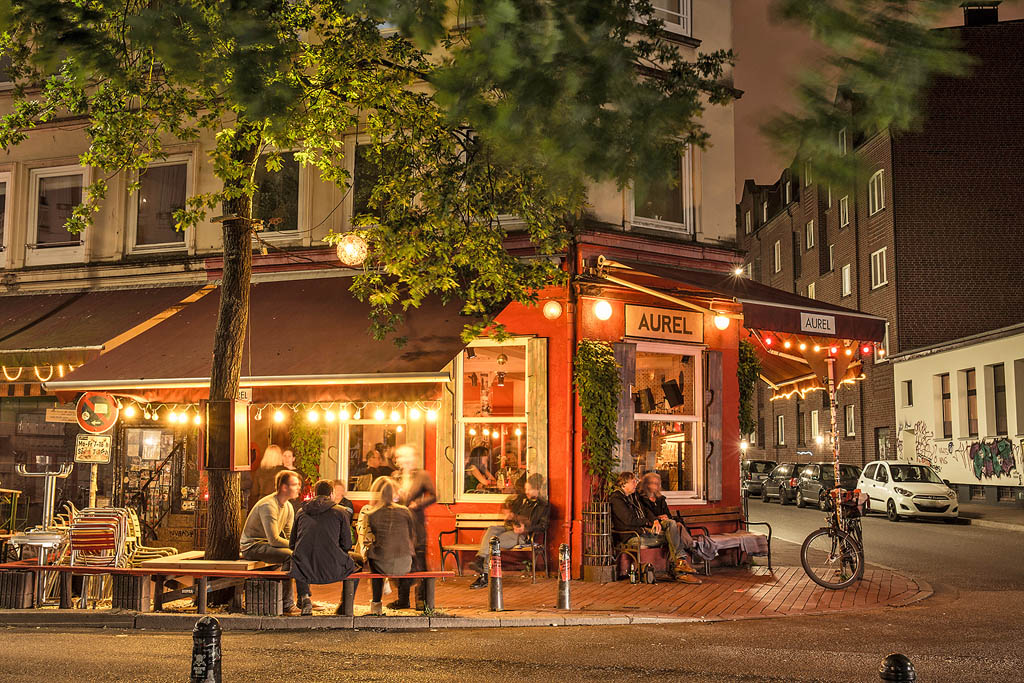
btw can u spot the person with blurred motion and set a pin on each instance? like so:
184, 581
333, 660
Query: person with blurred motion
416, 491
391, 533
525, 513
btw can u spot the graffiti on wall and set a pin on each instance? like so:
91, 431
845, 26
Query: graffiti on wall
983, 459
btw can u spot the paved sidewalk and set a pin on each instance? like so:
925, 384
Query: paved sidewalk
728, 594
1008, 516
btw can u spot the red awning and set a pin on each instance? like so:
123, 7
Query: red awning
308, 333
764, 308
51, 329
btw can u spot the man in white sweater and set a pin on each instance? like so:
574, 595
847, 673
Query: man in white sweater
268, 527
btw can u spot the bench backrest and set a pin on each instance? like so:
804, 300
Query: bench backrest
478, 520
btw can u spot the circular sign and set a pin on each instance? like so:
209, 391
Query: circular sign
97, 413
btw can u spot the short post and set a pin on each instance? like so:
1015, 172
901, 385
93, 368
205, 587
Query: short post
564, 576
206, 653
497, 600
348, 596
897, 667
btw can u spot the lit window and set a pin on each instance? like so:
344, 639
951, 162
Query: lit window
777, 256
276, 202
831, 257
810, 290
780, 430
847, 285
848, 410
789, 192
876, 193
666, 203
764, 212
878, 276
162, 191
746, 223
809, 234
844, 211
830, 196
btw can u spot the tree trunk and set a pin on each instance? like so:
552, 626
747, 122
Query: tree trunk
225, 518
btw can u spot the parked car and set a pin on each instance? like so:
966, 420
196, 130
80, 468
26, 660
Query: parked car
907, 490
817, 479
752, 475
781, 482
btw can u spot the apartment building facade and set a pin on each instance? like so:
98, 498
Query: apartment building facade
914, 242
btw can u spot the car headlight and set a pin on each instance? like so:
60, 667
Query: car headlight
951, 494
902, 492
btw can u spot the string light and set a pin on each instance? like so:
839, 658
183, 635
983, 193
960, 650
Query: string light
172, 417
472, 431
329, 416
414, 413
518, 432
395, 416
849, 352
495, 434
487, 432
817, 348
129, 412
768, 341
156, 417
313, 416
866, 349
431, 416
259, 415
343, 415
278, 416
197, 419
398, 429
146, 415
358, 414
786, 344
378, 415
834, 350
803, 346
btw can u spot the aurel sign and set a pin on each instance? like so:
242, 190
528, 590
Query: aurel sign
664, 323
816, 323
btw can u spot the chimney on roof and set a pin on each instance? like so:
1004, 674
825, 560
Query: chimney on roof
981, 13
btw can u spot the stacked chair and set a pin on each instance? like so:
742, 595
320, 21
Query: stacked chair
138, 553
99, 539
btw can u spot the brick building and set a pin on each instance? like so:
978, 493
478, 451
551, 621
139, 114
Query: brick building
930, 239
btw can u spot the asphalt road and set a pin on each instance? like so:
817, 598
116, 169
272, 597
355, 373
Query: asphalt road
958, 556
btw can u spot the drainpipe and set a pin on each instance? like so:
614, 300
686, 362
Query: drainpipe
573, 469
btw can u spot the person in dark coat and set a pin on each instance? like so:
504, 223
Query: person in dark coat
320, 540
393, 531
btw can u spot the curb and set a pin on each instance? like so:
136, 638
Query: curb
988, 524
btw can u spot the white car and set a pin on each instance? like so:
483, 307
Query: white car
906, 490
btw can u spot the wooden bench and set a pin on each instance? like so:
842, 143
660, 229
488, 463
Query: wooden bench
731, 540
465, 521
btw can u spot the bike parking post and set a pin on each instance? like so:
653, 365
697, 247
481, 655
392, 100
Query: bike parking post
564, 569
206, 652
897, 667
497, 601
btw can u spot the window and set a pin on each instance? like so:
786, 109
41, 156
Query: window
780, 430
876, 193
831, 257
800, 428
844, 211
666, 203
878, 275
492, 418
4, 179
276, 201
999, 397
369, 447
830, 196
869, 471
809, 235
847, 284
58, 192
764, 212
777, 256
675, 14
881, 443
842, 141
907, 393
789, 192
848, 413
162, 191
883, 348
749, 269
807, 173
365, 176
947, 406
815, 427
666, 423
810, 290
746, 223
971, 385
882, 474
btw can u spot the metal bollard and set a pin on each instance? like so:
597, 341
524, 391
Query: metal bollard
497, 600
897, 667
206, 653
564, 570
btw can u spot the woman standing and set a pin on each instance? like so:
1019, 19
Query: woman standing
416, 491
393, 534
265, 475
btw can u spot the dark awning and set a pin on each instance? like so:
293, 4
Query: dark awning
764, 308
308, 333
51, 329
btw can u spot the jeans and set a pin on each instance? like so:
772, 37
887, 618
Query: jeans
506, 539
264, 552
672, 534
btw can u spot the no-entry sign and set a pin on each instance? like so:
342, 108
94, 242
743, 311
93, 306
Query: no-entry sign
97, 413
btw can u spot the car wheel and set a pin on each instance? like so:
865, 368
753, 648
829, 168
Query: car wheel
764, 493
800, 499
782, 496
821, 500
890, 511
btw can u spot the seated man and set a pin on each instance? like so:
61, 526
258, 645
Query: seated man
629, 517
679, 541
340, 498
268, 527
525, 513
320, 541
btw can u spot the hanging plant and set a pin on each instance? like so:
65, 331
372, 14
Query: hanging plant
596, 376
308, 444
748, 371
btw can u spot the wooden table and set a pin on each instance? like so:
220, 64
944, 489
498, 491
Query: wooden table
164, 569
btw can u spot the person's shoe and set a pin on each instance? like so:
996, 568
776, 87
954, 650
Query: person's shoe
688, 578
376, 609
480, 582
307, 606
398, 604
477, 565
683, 566
291, 611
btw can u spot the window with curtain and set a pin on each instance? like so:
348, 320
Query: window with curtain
57, 196
162, 191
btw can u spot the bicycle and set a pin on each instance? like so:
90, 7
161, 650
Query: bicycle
833, 556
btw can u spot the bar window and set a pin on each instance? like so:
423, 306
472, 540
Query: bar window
947, 406
847, 283
746, 222
809, 235
675, 15
971, 389
777, 256
162, 191
276, 202
369, 446
666, 419
876, 193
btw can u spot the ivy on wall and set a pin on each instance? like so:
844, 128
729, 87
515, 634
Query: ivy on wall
308, 444
596, 376
748, 372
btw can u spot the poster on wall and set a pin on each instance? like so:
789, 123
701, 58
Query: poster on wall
92, 448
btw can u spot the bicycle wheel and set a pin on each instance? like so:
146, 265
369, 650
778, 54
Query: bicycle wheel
832, 558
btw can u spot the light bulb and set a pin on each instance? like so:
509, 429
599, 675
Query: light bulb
472, 432
552, 310
487, 432
156, 417
786, 344
278, 416
328, 416
146, 415
343, 415
519, 432
313, 416
721, 322
197, 419
172, 417
398, 429
803, 347
378, 415
849, 352
129, 411
395, 416
357, 414
414, 413
744, 445
603, 310
495, 435
817, 348
737, 271
259, 415
431, 416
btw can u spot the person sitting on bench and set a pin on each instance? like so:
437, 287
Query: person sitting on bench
265, 536
657, 509
630, 517
320, 541
525, 513
393, 531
